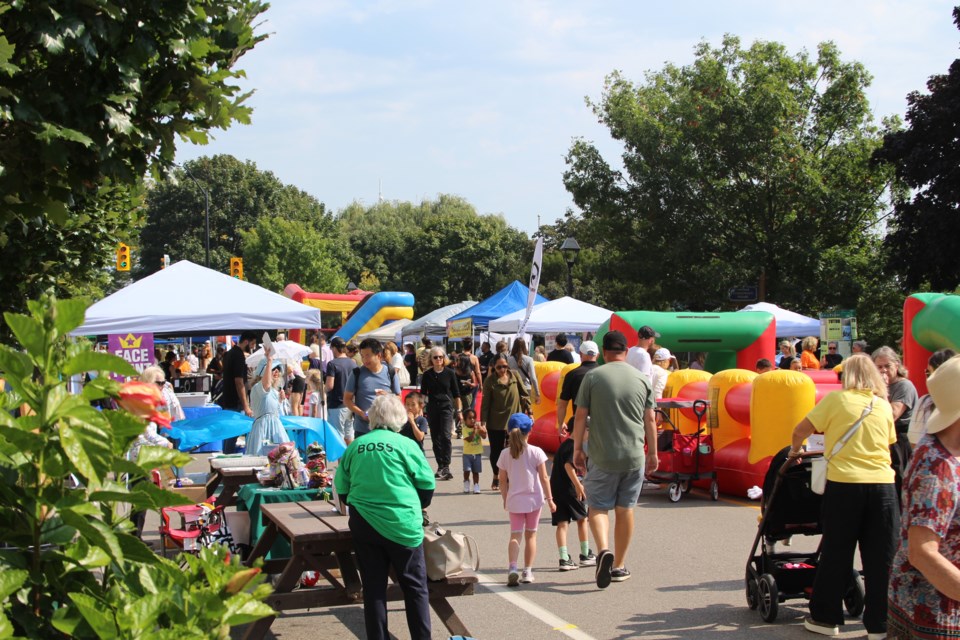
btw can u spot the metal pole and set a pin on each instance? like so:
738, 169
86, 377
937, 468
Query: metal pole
206, 213
570, 278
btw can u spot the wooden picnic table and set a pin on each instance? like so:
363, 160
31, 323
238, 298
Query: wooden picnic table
321, 541
229, 473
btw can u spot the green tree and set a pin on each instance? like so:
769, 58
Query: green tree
240, 195
278, 252
73, 258
102, 89
924, 233
748, 165
441, 251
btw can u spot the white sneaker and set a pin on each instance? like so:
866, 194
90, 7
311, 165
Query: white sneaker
466, 486
527, 576
513, 578
476, 488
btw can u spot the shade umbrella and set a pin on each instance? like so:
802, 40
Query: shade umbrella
282, 350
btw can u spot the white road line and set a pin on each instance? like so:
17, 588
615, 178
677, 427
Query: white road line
557, 623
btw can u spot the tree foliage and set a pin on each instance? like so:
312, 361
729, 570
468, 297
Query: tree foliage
277, 252
240, 196
747, 164
924, 236
103, 89
442, 251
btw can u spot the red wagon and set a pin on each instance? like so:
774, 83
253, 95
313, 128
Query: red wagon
684, 458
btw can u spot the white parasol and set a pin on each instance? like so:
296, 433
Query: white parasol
282, 350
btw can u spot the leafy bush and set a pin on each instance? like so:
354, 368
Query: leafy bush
70, 564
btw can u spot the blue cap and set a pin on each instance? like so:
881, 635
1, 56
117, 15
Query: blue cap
276, 364
520, 421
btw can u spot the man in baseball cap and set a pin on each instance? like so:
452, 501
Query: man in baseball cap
619, 402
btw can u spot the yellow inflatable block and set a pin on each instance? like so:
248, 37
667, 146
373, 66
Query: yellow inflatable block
779, 401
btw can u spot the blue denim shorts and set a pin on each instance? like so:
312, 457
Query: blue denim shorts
608, 489
473, 462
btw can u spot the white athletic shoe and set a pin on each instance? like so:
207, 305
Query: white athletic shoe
527, 576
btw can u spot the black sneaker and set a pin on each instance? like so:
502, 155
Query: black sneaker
567, 565
619, 575
588, 560
445, 474
604, 564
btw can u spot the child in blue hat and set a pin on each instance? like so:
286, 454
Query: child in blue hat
523, 481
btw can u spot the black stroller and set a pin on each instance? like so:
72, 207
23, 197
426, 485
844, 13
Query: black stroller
790, 508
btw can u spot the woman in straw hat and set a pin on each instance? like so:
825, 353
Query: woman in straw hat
925, 583
860, 500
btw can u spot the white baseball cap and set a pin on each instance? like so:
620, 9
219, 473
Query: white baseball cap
589, 348
662, 354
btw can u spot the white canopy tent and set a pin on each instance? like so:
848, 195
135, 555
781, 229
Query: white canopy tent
389, 332
564, 314
789, 323
435, 322
187, 299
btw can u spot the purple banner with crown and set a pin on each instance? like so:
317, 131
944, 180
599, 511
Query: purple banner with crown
135, 348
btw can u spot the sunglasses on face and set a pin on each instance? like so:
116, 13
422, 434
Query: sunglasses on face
502, 368
160, 383
438, 357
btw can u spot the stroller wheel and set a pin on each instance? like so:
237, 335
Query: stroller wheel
714, 490
768, 598
675, 492
753, 598
855, 596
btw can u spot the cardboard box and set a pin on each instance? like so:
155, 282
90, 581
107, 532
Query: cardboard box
193, 399
195, 493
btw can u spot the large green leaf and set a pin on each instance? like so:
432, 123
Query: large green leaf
69, 314
96, 533
89, 450
28, 332
126, 427
16, 366
97, 616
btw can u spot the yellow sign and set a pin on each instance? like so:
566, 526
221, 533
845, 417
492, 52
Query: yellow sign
462, 328
834, 328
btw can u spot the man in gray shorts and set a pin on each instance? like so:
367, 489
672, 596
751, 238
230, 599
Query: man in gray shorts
619, 401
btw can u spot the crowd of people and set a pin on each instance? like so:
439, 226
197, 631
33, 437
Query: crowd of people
892, 484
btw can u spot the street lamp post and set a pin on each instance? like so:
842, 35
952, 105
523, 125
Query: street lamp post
570, 248
206, 213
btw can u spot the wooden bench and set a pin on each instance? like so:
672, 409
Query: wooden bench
226, 471
321, 541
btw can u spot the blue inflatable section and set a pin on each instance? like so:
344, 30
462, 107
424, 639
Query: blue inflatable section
366, 311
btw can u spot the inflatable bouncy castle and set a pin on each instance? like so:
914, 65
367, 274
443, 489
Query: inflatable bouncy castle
931, 321
362, 311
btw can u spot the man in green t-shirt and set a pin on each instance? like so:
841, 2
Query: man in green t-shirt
619, 401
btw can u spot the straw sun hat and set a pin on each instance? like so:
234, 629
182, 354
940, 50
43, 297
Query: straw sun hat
943, 385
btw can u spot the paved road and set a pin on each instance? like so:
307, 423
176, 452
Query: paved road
687, 561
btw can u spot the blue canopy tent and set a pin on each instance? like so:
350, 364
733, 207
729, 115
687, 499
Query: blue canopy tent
509, 299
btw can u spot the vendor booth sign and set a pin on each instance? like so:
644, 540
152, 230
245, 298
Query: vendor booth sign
459, 329
135, 348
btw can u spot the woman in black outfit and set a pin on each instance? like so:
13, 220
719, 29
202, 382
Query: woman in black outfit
440, 387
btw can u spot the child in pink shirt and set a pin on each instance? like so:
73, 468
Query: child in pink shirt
523, 480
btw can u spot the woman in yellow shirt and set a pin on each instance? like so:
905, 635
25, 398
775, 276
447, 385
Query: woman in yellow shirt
860, 501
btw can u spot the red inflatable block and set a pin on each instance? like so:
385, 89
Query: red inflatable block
548, 386
544, 433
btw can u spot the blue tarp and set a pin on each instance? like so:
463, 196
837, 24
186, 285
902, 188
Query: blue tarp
227, 424
509, 299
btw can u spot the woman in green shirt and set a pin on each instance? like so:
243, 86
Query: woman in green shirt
504, 394
385, 479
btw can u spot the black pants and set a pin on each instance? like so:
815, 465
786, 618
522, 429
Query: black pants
375, 555
441, 424
856, 513
497, 441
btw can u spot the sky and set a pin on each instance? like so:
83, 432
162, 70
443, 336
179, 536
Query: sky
411, 99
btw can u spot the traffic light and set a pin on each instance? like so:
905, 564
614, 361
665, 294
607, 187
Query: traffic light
123, 257
165, 261
236, 268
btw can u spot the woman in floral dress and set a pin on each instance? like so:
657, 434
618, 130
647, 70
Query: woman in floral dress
924, 594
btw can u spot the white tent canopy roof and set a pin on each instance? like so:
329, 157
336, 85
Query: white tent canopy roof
387, 332
186, 299
789, 323
435, 322
564, 314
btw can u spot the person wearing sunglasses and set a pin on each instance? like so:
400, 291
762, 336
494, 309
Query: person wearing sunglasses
440, 387
832, 357
504, 394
